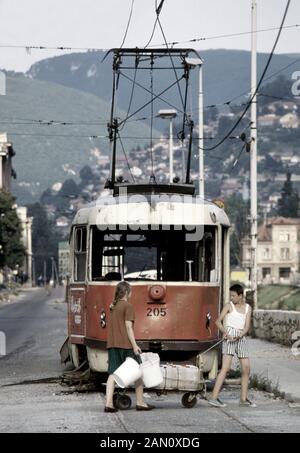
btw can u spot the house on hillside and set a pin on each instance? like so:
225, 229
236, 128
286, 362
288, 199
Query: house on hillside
278, 251
230, 186
269, 119
289, 121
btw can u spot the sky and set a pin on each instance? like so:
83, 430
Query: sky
102, 24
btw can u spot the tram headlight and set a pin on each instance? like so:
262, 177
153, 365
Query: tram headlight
103, 319
208, 319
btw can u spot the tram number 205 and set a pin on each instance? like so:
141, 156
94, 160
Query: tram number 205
156, 311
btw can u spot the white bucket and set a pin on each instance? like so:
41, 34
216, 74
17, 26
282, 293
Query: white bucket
127, 373
152, 375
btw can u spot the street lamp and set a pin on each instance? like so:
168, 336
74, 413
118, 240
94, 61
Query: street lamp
193, 63
169, 114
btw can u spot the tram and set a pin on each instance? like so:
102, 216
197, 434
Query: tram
172, 248
170, 244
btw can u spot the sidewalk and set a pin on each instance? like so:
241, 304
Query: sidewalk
16, 295
277, 364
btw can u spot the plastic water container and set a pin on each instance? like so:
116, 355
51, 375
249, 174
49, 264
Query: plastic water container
152, 375
170, 377
189, 377
127, 373
180, 377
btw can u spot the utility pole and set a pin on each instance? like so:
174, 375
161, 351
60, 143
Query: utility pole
169, 114
33, 271
45, 273
201, 140
253, 156
52, 273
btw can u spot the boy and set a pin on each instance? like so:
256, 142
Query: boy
237, 317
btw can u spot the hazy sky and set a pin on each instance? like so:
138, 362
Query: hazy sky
102, 23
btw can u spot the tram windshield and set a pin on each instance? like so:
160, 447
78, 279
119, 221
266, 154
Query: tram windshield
153, 255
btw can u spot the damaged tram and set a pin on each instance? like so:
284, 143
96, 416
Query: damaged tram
173, 249
171, 245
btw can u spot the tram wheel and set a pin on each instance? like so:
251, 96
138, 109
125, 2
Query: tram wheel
122, 402
189, 400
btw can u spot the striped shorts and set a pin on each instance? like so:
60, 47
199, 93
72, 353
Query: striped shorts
238, 347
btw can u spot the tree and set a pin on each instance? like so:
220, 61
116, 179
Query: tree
211, 114
12, 250
288, 204
237, 210
86, 175
44, 238
47, 197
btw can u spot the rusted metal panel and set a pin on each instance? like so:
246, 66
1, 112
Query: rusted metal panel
77, 309
181, 313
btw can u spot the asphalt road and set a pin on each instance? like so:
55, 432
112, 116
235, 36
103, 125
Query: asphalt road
24, 318
35, 326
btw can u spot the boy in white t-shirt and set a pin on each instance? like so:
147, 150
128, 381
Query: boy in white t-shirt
234, 323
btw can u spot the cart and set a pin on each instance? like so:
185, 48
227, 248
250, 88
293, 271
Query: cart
192, 388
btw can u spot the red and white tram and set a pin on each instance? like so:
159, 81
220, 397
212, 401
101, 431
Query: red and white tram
171, 245
173, 248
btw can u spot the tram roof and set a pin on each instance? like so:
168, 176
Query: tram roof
145, 208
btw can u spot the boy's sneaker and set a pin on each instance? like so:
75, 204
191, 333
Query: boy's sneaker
247, 403
217, 403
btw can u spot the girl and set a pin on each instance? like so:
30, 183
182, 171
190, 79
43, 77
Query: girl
121, 344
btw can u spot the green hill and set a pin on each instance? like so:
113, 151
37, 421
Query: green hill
46, 154
226, 74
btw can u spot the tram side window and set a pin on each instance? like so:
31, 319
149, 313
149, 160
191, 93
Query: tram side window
80, 254
207, 256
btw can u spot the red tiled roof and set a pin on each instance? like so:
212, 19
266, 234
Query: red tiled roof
283, 221
264, 233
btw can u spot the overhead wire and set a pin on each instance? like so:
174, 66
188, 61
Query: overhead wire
258, 85
157, 11
128, 23
98, 49
147, 103
128, 165
229, 35
171, 58
148, 91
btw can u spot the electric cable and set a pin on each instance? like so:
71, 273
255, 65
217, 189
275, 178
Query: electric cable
259, 83
128, 23
122, 146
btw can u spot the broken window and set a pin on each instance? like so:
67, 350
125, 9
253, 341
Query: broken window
153, 255
80, 249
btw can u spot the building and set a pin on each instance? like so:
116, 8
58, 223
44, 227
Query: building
6, 174
278, 251
268, 120
289, 121
63, 259
26, 224
6, 170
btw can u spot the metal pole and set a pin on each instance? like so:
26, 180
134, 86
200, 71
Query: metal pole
171, 150
33, 271
200, 140
52, 271
253, 158
45, 273
113, 170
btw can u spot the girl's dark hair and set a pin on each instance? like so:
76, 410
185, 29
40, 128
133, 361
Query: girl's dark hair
237, 289
122, 289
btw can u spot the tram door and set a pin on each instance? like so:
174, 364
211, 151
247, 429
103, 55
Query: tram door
77, 293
